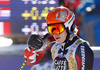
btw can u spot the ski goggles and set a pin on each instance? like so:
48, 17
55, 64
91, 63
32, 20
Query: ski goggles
55, 28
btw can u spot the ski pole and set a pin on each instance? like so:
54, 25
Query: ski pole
25, 60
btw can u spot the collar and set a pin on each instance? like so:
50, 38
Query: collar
72, 37
71, 41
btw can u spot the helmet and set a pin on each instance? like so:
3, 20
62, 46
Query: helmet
62, 15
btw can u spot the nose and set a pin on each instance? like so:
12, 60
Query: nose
55, 35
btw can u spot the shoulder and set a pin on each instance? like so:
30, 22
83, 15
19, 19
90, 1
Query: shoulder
83, 46
81, 42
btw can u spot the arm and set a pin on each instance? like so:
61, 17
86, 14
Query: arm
40, 55
84, 56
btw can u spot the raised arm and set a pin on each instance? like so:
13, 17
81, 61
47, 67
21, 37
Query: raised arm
41, 52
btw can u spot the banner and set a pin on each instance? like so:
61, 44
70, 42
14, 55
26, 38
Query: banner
5, 13
5, 28
6, 2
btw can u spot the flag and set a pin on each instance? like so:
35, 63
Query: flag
5, 2
5, 13
5, 28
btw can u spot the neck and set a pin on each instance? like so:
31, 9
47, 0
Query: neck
71, 36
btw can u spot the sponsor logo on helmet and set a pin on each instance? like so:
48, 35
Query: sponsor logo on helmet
62, 17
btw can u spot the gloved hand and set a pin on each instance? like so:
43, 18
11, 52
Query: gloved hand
35, 42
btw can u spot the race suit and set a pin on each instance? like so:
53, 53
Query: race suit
74, 54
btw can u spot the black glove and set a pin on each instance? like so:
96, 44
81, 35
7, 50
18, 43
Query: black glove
35, 42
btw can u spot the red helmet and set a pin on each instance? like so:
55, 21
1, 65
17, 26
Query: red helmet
62, 15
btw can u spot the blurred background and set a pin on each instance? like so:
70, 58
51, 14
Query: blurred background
21, 18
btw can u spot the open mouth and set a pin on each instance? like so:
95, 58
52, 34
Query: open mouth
57, 38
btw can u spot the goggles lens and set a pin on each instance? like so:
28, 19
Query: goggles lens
56, 29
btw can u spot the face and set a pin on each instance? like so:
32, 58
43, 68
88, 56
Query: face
60, 38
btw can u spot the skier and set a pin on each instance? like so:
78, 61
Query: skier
68, 51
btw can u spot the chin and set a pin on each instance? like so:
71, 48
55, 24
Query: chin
59, 42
